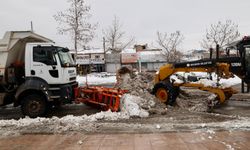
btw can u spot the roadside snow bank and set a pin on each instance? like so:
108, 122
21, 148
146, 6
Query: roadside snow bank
69, 119
129, 108
71, 123
139, 87
97, 79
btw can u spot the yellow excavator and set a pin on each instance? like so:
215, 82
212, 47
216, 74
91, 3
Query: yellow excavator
235, 61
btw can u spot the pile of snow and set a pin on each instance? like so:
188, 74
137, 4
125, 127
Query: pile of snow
198, 101
131, 105
139, 85
194, 102
97, 79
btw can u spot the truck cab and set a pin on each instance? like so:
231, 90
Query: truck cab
35, 73
48, 62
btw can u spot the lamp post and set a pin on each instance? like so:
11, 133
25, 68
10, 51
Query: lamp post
139, 60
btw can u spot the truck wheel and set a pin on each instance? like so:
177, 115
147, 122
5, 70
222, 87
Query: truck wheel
34, 106
166, 93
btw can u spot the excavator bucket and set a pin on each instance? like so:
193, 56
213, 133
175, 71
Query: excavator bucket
102, 97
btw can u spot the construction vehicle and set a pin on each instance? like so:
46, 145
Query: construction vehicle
35, 73
225, 67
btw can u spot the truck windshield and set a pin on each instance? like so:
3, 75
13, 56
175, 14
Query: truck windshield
65, 57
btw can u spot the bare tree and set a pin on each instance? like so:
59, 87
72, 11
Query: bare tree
75, 20
221, 33
169, 44
114, 37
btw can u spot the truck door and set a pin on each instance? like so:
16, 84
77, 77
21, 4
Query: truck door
45, 64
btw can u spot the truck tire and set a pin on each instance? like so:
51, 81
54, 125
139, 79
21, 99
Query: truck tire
166, 93
34, 106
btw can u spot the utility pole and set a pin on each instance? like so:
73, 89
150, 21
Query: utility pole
31, 26
104, 51
104, 44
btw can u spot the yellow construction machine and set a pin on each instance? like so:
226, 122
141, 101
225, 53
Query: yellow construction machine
235, 61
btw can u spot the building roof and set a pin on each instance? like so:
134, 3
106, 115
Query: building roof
91, 51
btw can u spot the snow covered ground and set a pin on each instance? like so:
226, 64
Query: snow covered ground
110, 79
97, 79
96, 123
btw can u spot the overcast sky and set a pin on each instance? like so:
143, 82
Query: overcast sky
140, 18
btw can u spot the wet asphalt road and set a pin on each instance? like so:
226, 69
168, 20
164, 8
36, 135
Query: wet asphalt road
10, 112
232, 107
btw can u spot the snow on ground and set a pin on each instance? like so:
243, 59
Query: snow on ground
130, 105
90, 124
129, 108
97, 79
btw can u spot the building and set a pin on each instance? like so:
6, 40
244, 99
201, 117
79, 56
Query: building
129, 59
113, 62
139, 58
143, 58
90, 61
151, 60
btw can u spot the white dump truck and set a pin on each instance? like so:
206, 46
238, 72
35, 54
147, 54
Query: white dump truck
34, 73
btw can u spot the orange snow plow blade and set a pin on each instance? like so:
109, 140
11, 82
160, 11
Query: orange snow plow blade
106, 98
